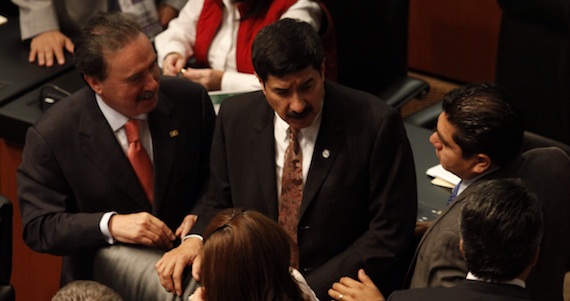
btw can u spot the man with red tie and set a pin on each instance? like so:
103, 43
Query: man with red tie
123, 160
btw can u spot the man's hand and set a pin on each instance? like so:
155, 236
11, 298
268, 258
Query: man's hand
209, 78
421, 228
141, 228
198, 295
171, 266
186, 225
348, 289
166, 13
173, 63
47, 45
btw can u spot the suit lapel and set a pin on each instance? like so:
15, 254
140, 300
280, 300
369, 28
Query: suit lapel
96, 135
164, 131
262, 152
327, 146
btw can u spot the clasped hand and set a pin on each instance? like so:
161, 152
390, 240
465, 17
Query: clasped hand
210, 79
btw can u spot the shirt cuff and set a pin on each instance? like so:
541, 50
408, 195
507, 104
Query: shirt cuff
192, 235
239, 82
104, 226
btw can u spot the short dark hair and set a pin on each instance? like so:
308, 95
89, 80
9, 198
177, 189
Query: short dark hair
286, 46
486, 121
501, 228
104, 33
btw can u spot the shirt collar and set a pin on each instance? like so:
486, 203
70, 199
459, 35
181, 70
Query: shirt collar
516, 281
115, 119
309, 132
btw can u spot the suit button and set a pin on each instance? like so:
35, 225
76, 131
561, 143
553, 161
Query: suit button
304, 228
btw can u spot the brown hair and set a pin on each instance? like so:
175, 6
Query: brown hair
246, 257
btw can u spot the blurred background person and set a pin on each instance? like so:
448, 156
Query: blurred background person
216, 37
50, 25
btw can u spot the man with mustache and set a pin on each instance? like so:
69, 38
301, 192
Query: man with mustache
348, 200
80, 186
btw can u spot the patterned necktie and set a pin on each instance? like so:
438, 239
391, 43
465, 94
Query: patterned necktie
139, 158
454, 192
291, 192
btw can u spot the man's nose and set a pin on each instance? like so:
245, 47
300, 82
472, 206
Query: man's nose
297, 103
434, 139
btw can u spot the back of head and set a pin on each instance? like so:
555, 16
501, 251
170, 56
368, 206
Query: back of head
286, 46
86, 290
486, 121
501, 228
246, 257
104, 33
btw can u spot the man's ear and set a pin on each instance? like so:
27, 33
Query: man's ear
261, 83
461, 248
482, 163
323, 69
94, 83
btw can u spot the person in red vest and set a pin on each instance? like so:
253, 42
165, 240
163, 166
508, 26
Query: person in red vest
216, 36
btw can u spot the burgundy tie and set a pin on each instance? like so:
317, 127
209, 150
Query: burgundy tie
292, 192
139, 158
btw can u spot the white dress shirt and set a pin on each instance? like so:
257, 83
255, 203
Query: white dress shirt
307, 138
516, 281
117, 122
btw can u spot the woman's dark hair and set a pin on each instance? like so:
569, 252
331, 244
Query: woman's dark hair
246, 258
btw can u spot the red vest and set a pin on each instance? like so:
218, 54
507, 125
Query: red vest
211, 19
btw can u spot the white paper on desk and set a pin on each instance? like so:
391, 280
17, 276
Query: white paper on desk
439, 172
442, 183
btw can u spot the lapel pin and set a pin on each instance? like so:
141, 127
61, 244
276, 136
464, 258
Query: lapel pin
326, 154
173, 133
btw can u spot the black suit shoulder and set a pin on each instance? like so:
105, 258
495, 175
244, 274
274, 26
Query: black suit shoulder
466, 290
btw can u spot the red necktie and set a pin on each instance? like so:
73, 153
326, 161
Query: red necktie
292, 192
139, 158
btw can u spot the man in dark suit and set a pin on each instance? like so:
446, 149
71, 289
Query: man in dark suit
77, 188
356, 174
501, 225
478, 137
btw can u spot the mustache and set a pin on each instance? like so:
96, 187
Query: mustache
146, 95
299, 115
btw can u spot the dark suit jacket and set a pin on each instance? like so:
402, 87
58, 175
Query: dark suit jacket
73, 170
359, 204
467, 290
546, 171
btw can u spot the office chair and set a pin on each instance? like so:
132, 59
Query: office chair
372, 48
6, 289
533, 63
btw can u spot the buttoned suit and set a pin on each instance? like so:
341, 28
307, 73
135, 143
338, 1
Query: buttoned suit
73, 170
466, 290
546, 172
359, 200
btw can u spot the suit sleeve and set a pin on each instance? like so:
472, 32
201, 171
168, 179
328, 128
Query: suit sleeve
36, 17
217, 196
447, 264
51, 222
384, 249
